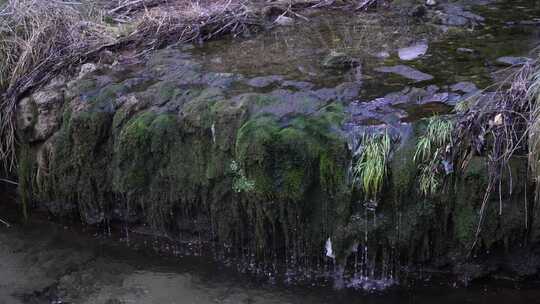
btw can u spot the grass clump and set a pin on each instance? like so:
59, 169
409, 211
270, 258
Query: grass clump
432, 153
371, 168
38, 39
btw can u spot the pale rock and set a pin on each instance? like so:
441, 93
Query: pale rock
86, 69
284, 20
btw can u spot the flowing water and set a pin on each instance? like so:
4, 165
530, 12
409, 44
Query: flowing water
52, 263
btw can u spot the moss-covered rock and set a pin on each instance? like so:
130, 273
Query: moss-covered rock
153, 145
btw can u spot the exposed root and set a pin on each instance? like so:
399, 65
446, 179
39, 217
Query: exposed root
5, 223
7, 181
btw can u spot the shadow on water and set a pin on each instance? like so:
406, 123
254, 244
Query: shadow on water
50, 263
44, 262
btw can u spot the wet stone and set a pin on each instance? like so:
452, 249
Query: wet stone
512, 61
284, 20
465, 87
382, 54
406, 71
455, 15
413, 52
347, 91
264, 81
299, 85
465, 51
530, 22
220, 80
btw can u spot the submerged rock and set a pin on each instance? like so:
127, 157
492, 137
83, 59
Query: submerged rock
465, 87
465, 51
413, 52
454, 15
406, 71
382, 54
338, 60
299, 85
264, 81
513, 61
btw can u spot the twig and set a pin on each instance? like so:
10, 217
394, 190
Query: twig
114, 10
8, 181
5, 223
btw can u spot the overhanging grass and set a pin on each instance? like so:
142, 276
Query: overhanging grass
501, 125
37, 40
371, 168
431, 151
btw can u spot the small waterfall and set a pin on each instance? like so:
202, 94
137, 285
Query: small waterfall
329, 250
213, 129
370, 273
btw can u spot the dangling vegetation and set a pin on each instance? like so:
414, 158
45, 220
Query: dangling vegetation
534, 131
432, 154
240, 182
501, 125
371, 168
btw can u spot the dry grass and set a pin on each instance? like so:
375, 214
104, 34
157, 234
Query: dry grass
534, 132
503, 125
37, 40
190, 21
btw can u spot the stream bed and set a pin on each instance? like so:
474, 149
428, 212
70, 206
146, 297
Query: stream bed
52, 264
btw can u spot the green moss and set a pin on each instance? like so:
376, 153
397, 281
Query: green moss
330, 174
286, 159
142, 144
84, 85
253, 138
105, 95
294, 181
403, 171
465, 225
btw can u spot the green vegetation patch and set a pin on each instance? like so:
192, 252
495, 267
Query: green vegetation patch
287, 158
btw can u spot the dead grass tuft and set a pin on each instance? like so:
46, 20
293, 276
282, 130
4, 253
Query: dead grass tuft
38, 39
503, 124
191, 21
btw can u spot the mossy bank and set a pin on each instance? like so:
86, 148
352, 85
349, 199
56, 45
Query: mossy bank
262, 176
